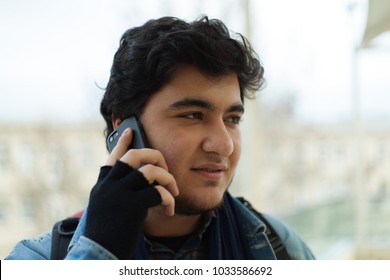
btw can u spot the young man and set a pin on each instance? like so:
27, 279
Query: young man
186, 82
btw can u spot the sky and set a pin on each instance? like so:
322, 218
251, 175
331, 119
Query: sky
55, 56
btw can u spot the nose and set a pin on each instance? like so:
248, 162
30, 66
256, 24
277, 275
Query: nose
218, 140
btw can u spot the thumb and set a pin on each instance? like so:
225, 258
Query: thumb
121, 147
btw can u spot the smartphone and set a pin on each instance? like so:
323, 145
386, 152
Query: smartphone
138, 141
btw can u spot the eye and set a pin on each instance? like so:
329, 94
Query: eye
193, 116
234, 119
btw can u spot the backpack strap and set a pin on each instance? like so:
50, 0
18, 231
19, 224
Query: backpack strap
61, 236
273, 237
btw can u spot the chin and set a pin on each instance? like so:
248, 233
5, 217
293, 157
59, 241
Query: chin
185, 205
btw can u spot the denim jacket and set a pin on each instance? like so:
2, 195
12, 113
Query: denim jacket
83, 248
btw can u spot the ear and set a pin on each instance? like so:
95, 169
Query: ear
115, 121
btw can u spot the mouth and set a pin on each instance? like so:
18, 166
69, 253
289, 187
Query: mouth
210, 171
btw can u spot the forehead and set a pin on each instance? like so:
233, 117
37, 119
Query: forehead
189, 83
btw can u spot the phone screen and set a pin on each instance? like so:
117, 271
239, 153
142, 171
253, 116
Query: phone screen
138, 141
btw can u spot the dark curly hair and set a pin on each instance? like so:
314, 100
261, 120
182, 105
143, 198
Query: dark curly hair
149, 55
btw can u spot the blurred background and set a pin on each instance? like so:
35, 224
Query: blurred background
316, 141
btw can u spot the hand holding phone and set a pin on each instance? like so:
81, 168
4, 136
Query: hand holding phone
121, 184
149, 162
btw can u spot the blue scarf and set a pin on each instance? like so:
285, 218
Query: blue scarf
224, 237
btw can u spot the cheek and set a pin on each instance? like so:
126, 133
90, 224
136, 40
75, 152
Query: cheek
175, 149
237, 147
235, 156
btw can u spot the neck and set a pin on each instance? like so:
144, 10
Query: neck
160, 225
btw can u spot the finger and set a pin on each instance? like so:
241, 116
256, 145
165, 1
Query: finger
155, 174
138, 157
149, 197
104, 170
121, 147
167, 200
120, 170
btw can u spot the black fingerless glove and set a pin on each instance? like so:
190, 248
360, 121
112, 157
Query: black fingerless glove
118, 207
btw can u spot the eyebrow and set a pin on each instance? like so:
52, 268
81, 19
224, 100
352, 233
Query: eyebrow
193, 102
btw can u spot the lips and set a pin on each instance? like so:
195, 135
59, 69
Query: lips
211, 167
210, 171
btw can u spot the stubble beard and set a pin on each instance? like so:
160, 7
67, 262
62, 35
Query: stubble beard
188, 206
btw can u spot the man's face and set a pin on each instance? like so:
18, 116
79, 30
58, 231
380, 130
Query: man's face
193, 122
